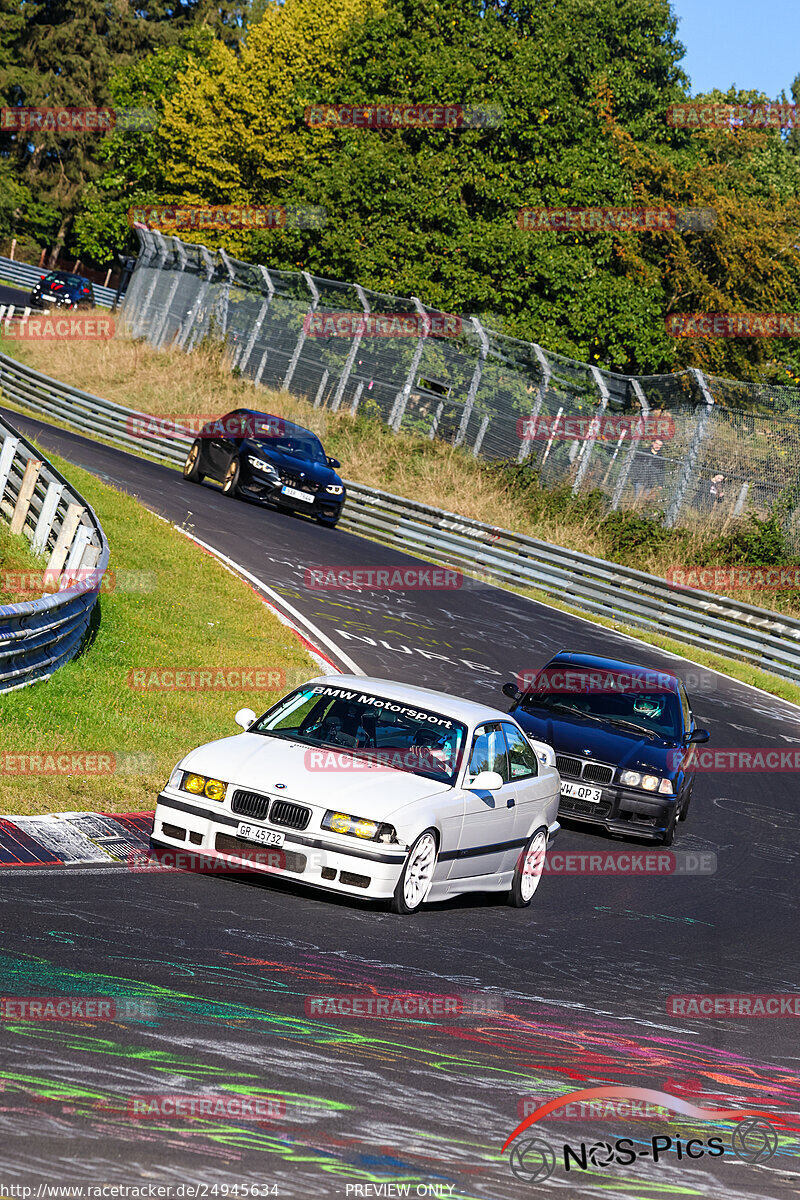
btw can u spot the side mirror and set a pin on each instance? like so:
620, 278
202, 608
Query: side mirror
334, 462
512, 691
545, 754
699, 735
486, 781
245, 718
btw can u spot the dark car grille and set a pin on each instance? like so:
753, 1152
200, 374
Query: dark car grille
579, 768
305, 485
568, 804
282, 860
294, 816
282, 812
250, 804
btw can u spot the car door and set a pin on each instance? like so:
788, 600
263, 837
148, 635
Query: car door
220, 447
487, 831
533, 787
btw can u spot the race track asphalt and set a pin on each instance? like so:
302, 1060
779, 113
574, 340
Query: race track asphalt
583, 976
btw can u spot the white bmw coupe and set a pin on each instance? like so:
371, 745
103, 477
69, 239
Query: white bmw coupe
372, 788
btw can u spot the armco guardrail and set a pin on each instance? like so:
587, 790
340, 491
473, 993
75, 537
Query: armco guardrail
25, 276
768, 640
38, 636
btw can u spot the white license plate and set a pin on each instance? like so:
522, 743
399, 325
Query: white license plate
259, 833
297, 495
579, 791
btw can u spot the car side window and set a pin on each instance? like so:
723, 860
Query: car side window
685, 709
521, 755
489, 752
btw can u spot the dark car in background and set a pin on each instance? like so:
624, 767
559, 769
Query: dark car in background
60, 289
261, 457
623, 737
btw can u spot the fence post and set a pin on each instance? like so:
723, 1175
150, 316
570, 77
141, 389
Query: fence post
72, 520
401, 399
351, 357
321, 388
186, 337
222, 302
130, 303
25, 495
693, 454
46, 516
158, 337
593, 430
7, 456
476, 449
636, 437
472, 392
242, 359
301, 341
140, 322
536, 408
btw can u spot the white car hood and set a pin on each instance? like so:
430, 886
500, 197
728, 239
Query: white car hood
250, 760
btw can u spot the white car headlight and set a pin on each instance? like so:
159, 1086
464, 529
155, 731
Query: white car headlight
649, 783
261, 465
334, 489
630, 778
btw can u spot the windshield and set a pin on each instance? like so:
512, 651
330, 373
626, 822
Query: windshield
72, 280
394, 735
656, 713
299, 447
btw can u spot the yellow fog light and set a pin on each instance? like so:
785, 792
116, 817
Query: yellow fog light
215, 789
340, 823
365, 829
194, 784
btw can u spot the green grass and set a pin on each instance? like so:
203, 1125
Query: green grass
197, 616
17, 558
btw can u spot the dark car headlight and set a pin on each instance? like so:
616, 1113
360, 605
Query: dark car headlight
334, 489
261, 464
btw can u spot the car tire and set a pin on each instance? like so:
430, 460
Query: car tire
668, 836
191, 468
687, 799
230, 484
417, 874
528, 870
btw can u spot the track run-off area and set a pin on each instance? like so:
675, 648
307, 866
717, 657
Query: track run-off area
580, 981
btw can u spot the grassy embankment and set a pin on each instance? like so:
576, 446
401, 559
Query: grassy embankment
189, 614
169, 382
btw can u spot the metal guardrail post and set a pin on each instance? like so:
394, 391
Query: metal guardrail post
219, 315
243, 357
536, 407
472, 392
395, 418
138, 325
158, 337
593, 431
191, 330
636, 437
351, 357
691, 460
301, 340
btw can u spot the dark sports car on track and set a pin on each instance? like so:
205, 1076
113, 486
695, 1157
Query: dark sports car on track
623, 737
261, 457
62, 289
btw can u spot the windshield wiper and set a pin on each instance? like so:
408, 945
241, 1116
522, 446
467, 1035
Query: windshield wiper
636, 728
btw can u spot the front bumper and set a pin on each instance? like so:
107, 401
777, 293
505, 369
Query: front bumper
367, 869
621, 810
261, 489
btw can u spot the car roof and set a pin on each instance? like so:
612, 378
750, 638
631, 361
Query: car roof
594, 662
289, 426
471, 712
